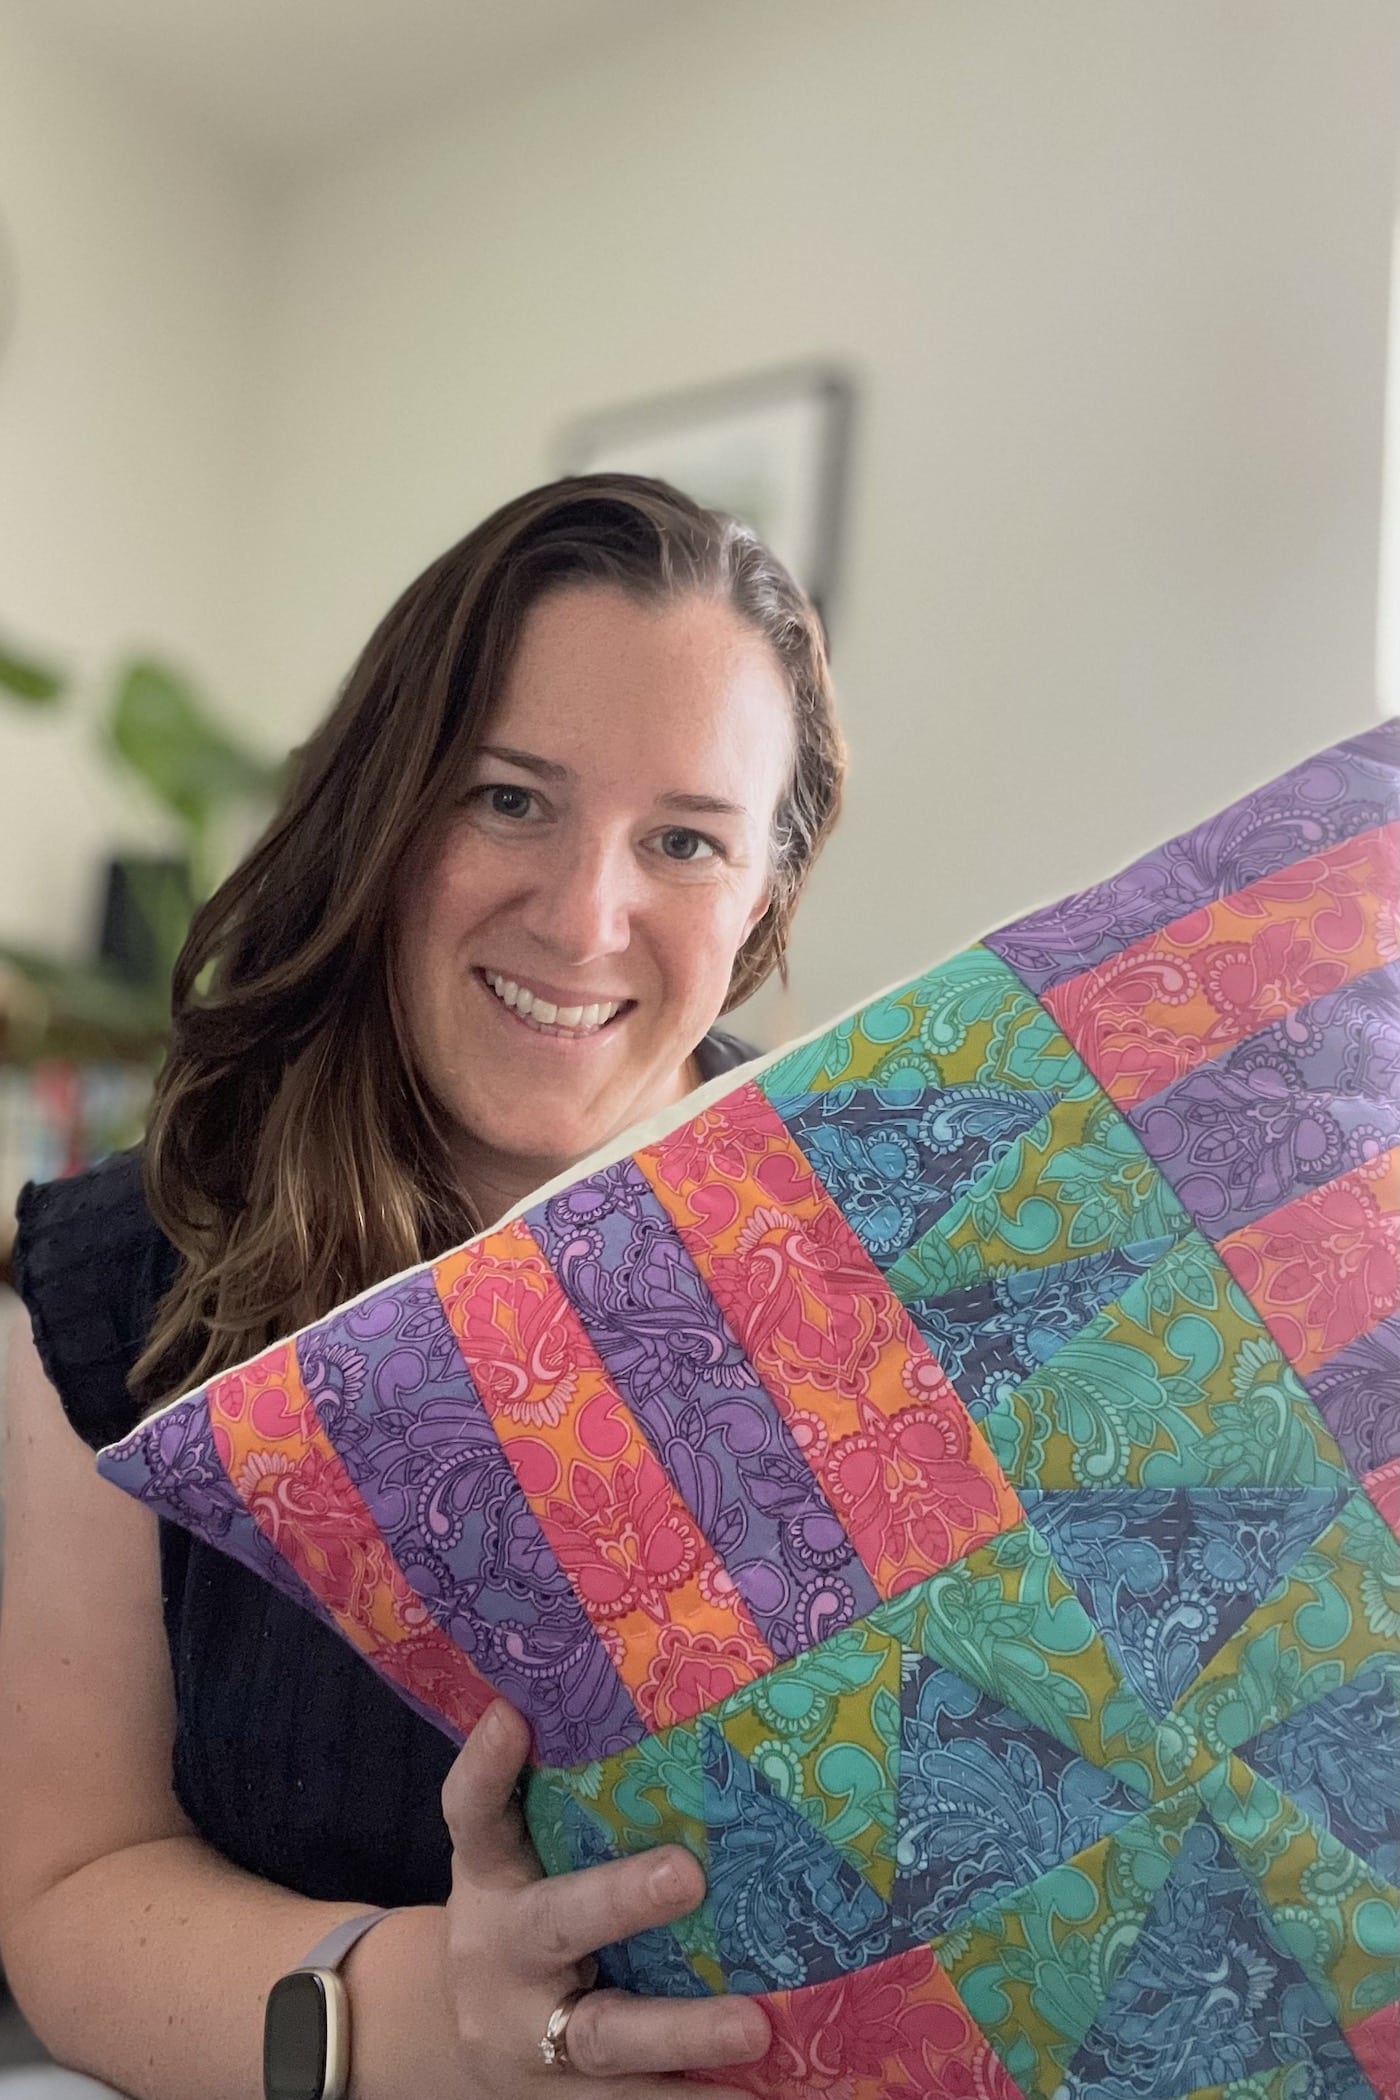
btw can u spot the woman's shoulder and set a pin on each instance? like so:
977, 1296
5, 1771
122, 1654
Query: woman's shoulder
92, 1265
718, 1052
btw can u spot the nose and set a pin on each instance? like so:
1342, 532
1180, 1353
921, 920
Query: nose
580, 906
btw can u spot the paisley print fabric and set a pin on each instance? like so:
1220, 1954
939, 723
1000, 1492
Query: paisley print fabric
1335, 796
1354, 1392
383, 1376
1184, 995
987, 1804
1288, 1109
1337, 1759
1169, 1574
896, 1160
698, 1400
1323, 1269
1208, 1995
950, 1484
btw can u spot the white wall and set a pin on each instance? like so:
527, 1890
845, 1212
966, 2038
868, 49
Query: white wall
1111, 273
1388, 625
124, 407
1113, 278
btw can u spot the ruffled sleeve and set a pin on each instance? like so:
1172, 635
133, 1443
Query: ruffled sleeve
92, 1266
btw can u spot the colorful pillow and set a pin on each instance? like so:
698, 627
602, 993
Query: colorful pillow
947, 1482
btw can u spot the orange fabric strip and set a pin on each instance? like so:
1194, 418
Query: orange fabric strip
660, 1599
901, 1462
1182, 996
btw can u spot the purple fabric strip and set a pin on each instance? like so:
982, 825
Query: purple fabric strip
1358, 1396
1341, 792
1289, 1108
397, 1401
172, 1465
667, 1348
1380, 742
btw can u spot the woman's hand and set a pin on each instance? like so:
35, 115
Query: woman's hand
518, 1943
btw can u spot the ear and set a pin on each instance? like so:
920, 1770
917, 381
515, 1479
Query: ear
760, 910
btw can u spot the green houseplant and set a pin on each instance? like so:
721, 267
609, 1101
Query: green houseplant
157, 728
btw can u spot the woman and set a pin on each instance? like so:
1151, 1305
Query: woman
557, 823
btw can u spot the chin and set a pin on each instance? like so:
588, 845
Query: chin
552, 1129
553, 1142
553, 1148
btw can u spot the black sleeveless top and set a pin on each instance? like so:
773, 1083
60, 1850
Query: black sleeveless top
291, 1757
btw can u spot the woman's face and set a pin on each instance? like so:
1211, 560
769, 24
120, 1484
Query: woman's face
566, 937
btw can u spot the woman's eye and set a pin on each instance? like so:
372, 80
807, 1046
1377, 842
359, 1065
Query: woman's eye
679, 844
505, 801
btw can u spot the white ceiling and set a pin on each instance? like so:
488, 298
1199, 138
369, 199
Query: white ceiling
281, 81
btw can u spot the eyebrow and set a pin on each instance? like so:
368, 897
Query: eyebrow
543, 768
705, 805
549, 769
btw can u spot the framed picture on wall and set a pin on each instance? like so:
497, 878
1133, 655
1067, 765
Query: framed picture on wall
770, 449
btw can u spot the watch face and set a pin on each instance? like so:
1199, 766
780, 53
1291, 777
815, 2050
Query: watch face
296, 2034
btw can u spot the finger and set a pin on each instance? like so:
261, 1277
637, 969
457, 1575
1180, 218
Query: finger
478, 1799
560, 1921
613, 2034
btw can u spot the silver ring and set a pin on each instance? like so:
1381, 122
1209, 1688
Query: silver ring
553, 2042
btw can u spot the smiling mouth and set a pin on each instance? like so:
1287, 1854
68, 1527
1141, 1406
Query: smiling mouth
544, 1016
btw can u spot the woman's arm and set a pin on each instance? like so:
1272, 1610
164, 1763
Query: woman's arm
136, 1952
144, 1957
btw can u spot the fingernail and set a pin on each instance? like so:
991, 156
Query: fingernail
745, 2034
664, 1880
492, 1725
668, 1881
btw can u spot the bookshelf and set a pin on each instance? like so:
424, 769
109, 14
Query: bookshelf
70, 1092
58, 1115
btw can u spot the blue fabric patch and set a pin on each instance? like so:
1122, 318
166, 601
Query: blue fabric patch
788, 1909
651, 1962
1208, 1995
896, 1158
1339, 1759
991, 1336
986, 1802
1169, 1574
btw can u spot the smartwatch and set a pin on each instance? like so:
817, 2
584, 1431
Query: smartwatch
306, 2027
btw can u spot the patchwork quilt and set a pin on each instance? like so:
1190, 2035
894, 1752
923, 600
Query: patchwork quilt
949, 1482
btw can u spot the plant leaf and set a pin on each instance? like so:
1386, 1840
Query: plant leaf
87, 996
161, 730
26, 680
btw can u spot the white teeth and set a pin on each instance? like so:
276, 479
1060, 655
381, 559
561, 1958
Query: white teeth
544, 1012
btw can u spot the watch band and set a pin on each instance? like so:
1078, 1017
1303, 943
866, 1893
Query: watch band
330, 1952
306, 2024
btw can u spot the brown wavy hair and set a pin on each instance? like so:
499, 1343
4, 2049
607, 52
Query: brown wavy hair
294, 1155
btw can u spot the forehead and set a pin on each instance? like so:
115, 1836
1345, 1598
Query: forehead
600, 679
